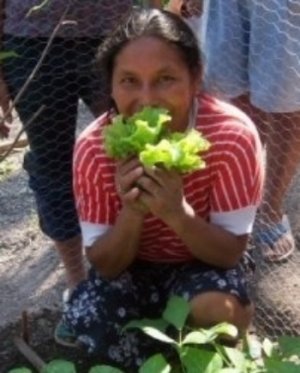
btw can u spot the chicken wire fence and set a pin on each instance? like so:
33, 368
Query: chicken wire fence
251, 52
252, 57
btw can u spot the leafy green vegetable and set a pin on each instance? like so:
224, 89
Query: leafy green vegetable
145, 134
59, 366
179, 151
127, 137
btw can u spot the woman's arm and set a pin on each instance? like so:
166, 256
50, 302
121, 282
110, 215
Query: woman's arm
163, 194
206, 241
234, 189
117, 248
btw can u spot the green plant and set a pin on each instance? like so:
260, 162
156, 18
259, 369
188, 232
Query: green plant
146, 135
63, 366
200, 351
252, 356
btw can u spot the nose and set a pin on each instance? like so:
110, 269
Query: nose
147, 96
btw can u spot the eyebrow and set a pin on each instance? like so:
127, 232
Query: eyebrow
164, 69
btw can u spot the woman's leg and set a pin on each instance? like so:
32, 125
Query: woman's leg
99, 309
211, 308
216, 295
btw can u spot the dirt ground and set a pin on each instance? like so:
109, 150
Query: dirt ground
31, 277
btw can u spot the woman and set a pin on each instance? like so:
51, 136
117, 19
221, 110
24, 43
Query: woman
192, 237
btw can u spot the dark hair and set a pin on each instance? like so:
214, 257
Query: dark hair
161, 24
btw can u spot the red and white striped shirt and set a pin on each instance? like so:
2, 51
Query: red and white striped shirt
226, 192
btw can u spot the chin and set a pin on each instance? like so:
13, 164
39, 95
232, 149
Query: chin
177, 128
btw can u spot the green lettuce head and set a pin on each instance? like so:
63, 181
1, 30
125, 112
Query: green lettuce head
125, 137
145, 135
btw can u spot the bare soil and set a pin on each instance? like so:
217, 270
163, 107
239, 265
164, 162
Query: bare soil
31, 277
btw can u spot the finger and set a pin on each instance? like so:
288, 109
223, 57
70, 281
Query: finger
126, 182
161, 175
146, 200
132, 195
156, 174
126, 165
148, 185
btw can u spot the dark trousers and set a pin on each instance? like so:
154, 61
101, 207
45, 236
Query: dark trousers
65, 76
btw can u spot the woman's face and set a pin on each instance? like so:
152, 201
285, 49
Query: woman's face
151, 72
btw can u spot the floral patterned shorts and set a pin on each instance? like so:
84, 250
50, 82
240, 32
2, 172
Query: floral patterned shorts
98, 308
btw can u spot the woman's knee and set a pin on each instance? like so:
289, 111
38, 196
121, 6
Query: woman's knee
211, 308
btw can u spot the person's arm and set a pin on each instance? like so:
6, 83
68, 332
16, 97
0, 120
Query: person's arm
163, 194
4, 95
206, 241
114, 242
236, 179
116, 249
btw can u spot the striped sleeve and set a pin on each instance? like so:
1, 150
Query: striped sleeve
237, 171
94, 203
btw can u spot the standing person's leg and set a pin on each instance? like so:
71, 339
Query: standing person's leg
240, 60
260, 118
51, 138
280, 133
94, 87
274, 74
283, 158
283, 145
225, 44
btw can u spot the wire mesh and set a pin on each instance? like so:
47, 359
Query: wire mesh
252, 57
50, 72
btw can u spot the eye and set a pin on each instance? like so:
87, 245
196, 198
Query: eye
128, 80
167, 78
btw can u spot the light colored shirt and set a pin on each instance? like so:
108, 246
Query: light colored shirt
92, 18
226, 192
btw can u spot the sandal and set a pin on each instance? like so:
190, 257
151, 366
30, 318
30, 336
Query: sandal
64, 336
276, 242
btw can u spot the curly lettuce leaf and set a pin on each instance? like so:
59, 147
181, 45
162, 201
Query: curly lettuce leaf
145, 135
178, 151
125, 137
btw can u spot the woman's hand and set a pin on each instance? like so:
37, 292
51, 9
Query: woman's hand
162, 192
128, 172
4, 105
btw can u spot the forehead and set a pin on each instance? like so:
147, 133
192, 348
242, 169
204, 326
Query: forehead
149, 52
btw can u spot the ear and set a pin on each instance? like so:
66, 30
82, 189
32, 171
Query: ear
197, 82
